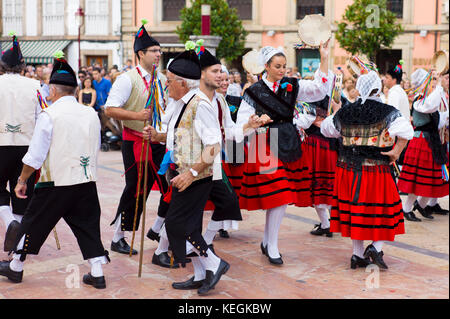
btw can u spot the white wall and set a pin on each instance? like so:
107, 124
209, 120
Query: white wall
116, 17
31, 17
71, 8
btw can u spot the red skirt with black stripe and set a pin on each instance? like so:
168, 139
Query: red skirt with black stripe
366, 204
268, 182
322, 165
420, 175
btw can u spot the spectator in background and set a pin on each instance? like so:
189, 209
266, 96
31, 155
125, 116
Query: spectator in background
289, 72
102, 87
238, 79
348, 81
81, 77
87, 94
352, 93
251, 79
39, 74
128, 65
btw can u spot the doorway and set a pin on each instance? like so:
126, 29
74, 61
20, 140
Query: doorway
388, 58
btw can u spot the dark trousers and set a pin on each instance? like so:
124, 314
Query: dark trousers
185, 216
127, 204
78, 205
226, 202
10, 169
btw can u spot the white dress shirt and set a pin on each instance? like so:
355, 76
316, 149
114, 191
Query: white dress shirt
397, 98
432, 103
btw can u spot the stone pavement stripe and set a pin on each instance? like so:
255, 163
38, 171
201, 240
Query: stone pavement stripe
397, 244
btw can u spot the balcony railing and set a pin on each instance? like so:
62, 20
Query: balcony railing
53, 25
97, 24
12, 23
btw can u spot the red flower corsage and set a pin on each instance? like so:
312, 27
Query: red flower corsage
324, 80
289, 88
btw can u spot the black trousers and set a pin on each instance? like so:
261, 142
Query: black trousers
127, 204
10, 169
185, 217
78, 205
226, 202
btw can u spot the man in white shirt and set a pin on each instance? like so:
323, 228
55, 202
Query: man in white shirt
127, 102
19, 109
397, 96
64, 147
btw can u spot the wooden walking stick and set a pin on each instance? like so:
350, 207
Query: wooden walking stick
144, 209
56, 238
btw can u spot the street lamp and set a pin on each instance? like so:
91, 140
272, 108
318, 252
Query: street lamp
79, 17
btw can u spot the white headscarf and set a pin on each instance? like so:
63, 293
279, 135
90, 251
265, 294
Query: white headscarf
366, 83
267, 53
418, 77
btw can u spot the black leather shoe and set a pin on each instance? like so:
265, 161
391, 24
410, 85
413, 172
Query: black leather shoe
189, 284
223, 233
276, 261
437, 209
263, 250
377, 257
411, 217
163, 260
152, 235
96, 282
425, 212
319, 231
11, 235
357, 261
212, 279
14, 276
122, 247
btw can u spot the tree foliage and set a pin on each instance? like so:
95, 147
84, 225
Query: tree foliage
367, 26
224, 22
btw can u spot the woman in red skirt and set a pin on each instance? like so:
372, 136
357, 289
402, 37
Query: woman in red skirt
426, 155
275, 174
366, 203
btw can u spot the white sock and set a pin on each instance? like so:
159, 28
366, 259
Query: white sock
230, 224
358, 247
199, 270
266, 231
211, 231
423, 201
322, 212
408, 204
18, 217
433, 202
378, 245
159, 221
275, 216
163, 245
118, 233
7, 215
96, 265
211, 262
16, 264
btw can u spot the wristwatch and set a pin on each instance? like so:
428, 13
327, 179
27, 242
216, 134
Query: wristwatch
193, 172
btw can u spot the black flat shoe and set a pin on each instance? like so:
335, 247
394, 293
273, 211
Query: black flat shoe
425, 212
163, 260
437, 209
212, 279
357, 261
96, 282
276, 261
11, 236
411, 217
264, 251
122, 247
223, 233
187, 285
14, 276
153, 235
319, 231
377, 257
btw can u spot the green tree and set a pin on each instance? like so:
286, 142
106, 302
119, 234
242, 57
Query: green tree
224, 22
367, 26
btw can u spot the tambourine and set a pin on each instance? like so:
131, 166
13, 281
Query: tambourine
440, 61
250, 62
358, 66
313, 30
337, 89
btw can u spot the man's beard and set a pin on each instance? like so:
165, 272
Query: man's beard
211, 85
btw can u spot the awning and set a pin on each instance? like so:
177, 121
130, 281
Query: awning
37, 52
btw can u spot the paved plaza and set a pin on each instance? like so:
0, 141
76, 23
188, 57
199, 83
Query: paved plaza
314, 268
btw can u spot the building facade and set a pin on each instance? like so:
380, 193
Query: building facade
275, 23
44, 26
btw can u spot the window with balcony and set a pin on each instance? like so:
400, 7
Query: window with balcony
171, 9
53, 17
12, 16
244, 8
307, 7
96, 17
396, 6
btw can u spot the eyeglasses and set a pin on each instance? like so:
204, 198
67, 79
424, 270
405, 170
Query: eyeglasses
154, 51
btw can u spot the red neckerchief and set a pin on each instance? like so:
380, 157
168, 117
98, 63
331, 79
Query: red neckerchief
220, 120
147, 85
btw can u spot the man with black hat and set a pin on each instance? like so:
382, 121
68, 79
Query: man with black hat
64, 146
18, 112
127, 102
